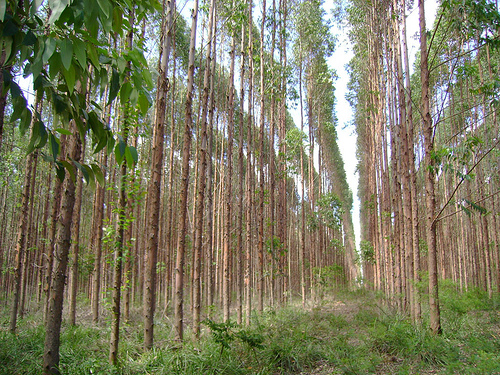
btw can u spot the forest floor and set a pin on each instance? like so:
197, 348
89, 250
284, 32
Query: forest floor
344, 333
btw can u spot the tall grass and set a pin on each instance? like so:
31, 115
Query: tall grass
357, 336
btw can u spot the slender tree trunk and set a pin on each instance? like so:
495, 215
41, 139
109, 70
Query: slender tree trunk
56, 295
260, 243
249, 179
186, 156
21, 241
154, 188
200, 198
75, 245
430, 195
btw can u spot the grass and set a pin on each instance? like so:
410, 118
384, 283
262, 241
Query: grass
356, 336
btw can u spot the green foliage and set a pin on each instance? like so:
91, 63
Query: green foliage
64, 53
367, 252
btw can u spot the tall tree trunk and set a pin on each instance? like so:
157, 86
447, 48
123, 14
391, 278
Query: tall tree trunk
227, 251
154, 185
202, 163
61, 252
260, 215
186, 156
430, 195
75, 245
249, 177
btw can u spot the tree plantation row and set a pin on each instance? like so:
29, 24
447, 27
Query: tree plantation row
187, 190
428, 149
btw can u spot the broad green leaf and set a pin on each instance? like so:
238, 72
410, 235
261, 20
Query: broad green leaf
70, 168
66, 52
50, 47
7, 47
121, 64
131, 156
29, 38
70, 77
59, 104
3, 8
125, 92
61, 171
114, 87
57, 7
82, 169
118, 20
35, 137
54, 146
9, 28
55, 66
80, 52
105, 6
134, 96
102, 142
43, 136
19, 108
120, 150
90, 179
144, 103
92, 54
98, 173
25, 122
63, 131
15, 90
146, 75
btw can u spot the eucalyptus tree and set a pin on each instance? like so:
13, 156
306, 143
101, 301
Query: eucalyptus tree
154, 187
186, 157
200, 194
61, 63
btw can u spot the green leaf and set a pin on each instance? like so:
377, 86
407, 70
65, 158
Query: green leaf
70, 77
80, 52
15, 90
70, 168
125, 92
25, 123
61, 171
120, 150
146, 75
98, 174
131, 156
35, 137
3, 8
144, 103
50, 47
19, 107
54, 146
121, 64
29, 39
57, 7
63, 131
58, 101
66, 52
106, 7
9, 28
114, 87
134, 96
92, 54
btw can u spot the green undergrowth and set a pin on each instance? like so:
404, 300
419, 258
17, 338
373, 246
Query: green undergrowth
352, 333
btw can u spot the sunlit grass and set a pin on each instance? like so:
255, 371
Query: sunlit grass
353, 333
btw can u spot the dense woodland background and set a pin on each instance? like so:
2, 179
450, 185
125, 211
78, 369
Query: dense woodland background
191, 168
